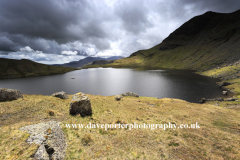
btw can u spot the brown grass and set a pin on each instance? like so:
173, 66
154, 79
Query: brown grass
218, 137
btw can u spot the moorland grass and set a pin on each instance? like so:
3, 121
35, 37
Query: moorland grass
217, 138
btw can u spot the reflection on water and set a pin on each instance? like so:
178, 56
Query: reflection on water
108, 81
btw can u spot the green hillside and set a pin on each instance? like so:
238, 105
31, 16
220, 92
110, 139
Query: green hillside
204, 42
10, 68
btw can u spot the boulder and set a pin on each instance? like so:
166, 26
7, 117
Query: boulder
61, 95
130, 94
9, 94
118, 97
224, 92
80, 104
50, 138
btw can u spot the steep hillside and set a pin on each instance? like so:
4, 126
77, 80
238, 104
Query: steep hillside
11, 68
204, 42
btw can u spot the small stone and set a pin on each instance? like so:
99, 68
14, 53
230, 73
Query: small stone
61, 95
109, 111
118, 97
224, 92
80, 104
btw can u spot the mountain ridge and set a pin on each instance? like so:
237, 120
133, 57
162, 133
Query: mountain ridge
204, 42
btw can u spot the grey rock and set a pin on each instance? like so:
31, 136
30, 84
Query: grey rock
216, 99
51, 139
225, 92
36, 138
230, 99
61, 95
130, 94
9, 94
41, 153
118, 97
80, 104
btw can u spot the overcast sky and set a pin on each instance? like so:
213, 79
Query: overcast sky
60, 31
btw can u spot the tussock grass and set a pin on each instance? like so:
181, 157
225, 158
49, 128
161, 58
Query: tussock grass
217, 138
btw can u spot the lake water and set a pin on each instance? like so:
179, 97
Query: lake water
178, 84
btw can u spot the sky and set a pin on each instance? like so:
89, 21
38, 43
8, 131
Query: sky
60, 31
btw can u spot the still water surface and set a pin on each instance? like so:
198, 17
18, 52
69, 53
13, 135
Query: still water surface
109, 81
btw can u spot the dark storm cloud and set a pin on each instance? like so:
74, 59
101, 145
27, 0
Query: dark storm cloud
50, 20
32, 18
94, 27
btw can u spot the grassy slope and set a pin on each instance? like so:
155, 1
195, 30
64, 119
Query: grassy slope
204, 42
25, 68
218, 137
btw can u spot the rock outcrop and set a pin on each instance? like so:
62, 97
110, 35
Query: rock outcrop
61, 95
51, 139
130, 94
80, 104
9, 94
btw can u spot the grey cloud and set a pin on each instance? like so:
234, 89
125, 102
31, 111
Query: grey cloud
50, 20
6, 44
46, 19
133, 15
92, 26
224, 6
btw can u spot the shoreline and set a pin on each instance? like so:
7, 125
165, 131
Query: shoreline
232, 92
